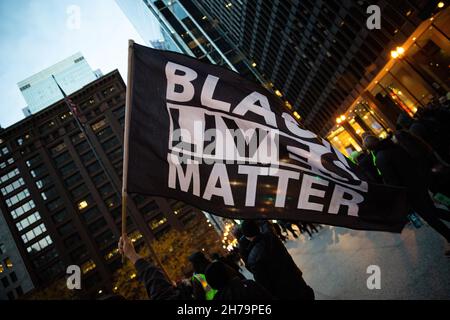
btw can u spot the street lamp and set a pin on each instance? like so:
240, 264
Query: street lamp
398, 52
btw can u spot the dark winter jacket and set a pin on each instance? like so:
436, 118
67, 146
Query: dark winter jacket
273, 268
157, 285
230, 286
239, 289
397, 167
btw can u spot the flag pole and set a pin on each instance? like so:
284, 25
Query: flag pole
126, 136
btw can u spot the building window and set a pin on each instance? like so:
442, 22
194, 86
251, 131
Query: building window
17, 198
81, 147
77, 137
106, 190
66, 229
9, 175
72, 241
19, 291
28, 221
98, 125
6, 163
87, 266
59, 216
109, 144
1, 268
82, 204
10, 295
97, 225
38, 171
31, 162
22, 209
13, 277
44, 182
79, 191
158, 221
68, 168
104, 133
99, 179
41, 244
48, 194
5, 282
12, 186
73, 180
8, 263
33, 233
112, 202
93, 168
61, 159
91, 214
55, 204
4, 151
45, 258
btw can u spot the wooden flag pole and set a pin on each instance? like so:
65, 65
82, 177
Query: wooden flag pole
125, 157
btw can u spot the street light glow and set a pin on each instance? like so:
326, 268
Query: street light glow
440, 4
400, 50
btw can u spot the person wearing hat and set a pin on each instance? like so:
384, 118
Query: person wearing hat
271, 264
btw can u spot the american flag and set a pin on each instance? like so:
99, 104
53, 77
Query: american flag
74, 109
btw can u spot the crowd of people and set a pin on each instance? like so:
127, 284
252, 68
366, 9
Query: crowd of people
276, 275
417, 157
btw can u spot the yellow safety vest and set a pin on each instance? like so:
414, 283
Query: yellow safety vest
209, 292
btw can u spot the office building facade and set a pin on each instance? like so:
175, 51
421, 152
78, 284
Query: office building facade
14, 277
319, 55
60, 199
40, 89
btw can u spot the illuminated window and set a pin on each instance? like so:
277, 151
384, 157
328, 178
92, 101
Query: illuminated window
87, 266
12, 186
98, 125
82, 204
33, 233
28, 221
111, 254
1, 268
8, 263
155, 223
41, 244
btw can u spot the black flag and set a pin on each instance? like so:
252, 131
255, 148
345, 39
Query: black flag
204, 135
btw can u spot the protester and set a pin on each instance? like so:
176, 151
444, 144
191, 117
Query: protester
271, 264
398, 168
201, 288
157, 285
229, 286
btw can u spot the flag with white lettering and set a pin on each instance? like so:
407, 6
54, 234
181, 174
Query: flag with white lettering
204, 135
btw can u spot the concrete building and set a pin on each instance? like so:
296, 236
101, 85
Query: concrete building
14, 277
59, 202
40, 90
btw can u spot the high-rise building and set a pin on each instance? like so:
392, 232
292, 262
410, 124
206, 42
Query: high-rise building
60, 199
184, 29
40, 89
319, 55
14, 278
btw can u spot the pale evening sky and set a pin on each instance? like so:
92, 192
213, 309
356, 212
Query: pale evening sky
35, 34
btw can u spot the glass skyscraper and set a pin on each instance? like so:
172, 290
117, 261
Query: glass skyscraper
40, 90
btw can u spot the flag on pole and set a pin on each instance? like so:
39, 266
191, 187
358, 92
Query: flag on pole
204, 135
74, 109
